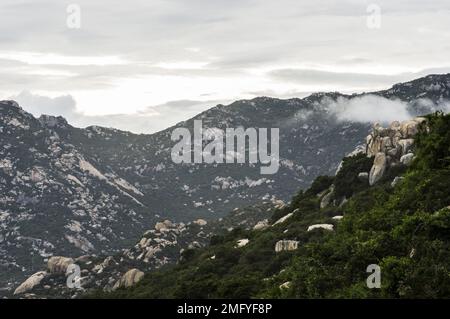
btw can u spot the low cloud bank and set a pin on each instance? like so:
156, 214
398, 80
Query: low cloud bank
369, 108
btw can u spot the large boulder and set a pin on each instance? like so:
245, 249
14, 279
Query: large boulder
410, 128
58, 264
30, 283
242, 242
378, 168
130, 278
286, 245
407, 159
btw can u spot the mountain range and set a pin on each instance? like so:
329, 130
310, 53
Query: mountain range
67, 191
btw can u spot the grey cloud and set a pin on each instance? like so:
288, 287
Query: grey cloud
150, 120
311, 77
231, 36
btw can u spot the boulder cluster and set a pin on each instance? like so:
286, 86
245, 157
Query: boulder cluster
391, 146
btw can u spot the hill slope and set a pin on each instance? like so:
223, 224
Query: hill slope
402, 226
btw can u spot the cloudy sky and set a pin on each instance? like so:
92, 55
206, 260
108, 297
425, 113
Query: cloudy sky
143, 65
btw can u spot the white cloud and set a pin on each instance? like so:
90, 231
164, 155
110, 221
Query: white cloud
369, 108
180, 50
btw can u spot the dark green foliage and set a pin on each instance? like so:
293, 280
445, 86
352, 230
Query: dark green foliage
320, 184
346, 181
433, 145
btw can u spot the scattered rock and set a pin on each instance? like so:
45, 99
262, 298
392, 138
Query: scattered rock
337, 217
407, 159
286, 245
200, 222
261, 225
321, 226
396, 180
242, 242
283, 219
285, 285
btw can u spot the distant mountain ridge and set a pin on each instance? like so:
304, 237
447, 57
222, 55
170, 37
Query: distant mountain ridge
70, 191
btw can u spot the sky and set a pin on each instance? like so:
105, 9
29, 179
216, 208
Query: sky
144, 65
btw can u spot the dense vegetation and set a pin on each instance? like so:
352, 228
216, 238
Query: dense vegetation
404, 229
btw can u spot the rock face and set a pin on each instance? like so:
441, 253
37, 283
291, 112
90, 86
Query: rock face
130, 278
391, 146
30, 283
321, 226
58, 264
286, 245
378, 168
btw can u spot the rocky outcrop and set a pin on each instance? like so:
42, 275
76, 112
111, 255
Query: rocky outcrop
162, 226
58, 264
285, 285
283, 219
321, 226
30, 283
286, 245
261, 225
391, 146
242, 242
378, 168
130, 278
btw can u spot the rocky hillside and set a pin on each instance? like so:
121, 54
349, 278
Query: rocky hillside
314, 249
67, 191
163, 245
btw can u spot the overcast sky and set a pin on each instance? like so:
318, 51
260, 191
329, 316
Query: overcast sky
143, 65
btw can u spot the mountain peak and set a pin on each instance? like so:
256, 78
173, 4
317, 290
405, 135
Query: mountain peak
51, 121
10, 103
